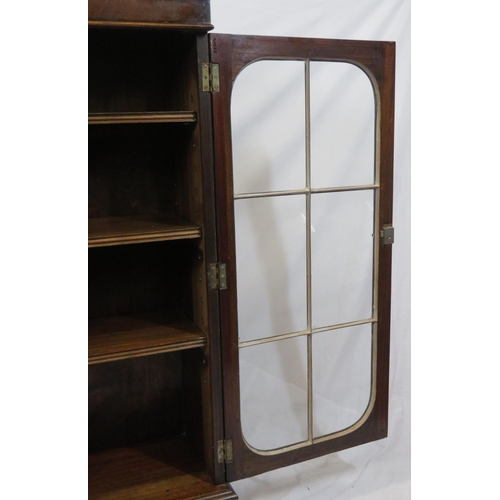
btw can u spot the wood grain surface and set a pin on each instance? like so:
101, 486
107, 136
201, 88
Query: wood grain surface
154, 471
186, 14
145, 117
131, 336
106, 231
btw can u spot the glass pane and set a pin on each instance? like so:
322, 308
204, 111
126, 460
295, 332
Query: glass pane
273, 384
268, 127
342, 367
342, 126
271, 266
342, 257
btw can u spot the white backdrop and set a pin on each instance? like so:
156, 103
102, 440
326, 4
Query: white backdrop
379, 470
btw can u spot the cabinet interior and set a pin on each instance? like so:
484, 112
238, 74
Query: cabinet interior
139, 70
147, 285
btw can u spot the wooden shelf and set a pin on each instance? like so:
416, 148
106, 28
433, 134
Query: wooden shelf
123, 337
153, 471
147, 117
195, 27
108, 231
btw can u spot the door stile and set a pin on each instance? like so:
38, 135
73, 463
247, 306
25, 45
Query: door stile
385, 155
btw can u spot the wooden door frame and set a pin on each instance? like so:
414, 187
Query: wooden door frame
377, 60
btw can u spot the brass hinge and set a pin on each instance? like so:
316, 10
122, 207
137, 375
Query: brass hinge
210, 77
217, 279
387, 235
225, 451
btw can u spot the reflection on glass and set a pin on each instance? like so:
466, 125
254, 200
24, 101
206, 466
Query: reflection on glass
268, 127
273, 384
342, 126
271, 266
342, 257
341, 377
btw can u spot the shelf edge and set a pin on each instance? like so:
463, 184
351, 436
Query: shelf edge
199, 27
137, 353
129, 240
142, 117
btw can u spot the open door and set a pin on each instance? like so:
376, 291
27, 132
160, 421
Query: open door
303, 155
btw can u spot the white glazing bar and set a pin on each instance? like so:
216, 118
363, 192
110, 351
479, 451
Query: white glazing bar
344, 188
305, 191
306, 332
250, 343
344, 325
277, 451
308, 195
269, 194
308, 250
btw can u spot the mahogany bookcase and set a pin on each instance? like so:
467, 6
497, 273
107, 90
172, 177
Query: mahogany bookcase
164, 394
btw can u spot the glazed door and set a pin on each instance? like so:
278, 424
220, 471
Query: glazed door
303, 153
